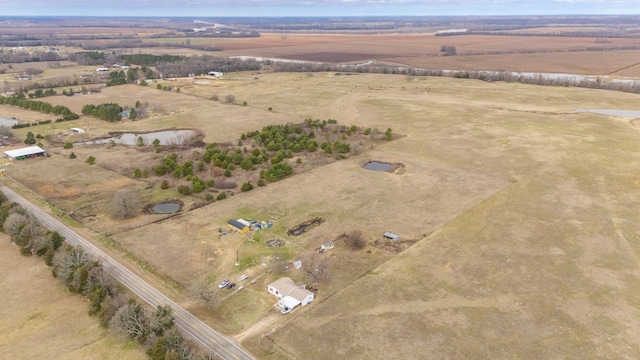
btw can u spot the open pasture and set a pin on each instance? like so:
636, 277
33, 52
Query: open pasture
41, 319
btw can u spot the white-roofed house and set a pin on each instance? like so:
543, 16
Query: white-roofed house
290, 293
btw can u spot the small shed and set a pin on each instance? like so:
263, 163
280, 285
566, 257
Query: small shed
391, 236
327, 246
235, 225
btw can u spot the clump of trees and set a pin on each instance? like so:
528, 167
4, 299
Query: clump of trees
39, 93
266, 161
107, 111
448, 50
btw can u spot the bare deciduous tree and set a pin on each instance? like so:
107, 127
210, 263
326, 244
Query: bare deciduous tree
201, 290
124, 204
355, 240
132, 321
316, 267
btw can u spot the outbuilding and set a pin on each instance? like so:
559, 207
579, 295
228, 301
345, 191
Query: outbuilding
391, 236
235, 225
25, 153
327, 246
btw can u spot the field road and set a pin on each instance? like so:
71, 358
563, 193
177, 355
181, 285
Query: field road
192, 327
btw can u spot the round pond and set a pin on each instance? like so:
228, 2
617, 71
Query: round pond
166, 208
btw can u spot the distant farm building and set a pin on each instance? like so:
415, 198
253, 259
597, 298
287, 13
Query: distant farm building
215, 74
391, 236
25, 153
238, 226
290, 293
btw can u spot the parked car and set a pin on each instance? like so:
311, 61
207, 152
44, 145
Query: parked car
223, 284
231, 285
285, 310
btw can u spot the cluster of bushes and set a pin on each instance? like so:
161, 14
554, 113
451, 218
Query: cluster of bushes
41, 106
83, 275
25, 125
106, 111
39, 93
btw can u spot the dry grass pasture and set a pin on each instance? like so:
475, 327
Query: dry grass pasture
523, 213
42, 320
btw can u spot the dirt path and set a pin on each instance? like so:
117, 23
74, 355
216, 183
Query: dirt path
260, 326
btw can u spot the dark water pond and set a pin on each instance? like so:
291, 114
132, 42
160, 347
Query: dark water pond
378, 166
166, 208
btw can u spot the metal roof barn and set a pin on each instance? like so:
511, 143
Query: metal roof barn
23, 153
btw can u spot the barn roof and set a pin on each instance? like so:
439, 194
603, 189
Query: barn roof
31, 150
237, 224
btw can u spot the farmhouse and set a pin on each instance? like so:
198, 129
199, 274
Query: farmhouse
238, 226
290, 293
25, 153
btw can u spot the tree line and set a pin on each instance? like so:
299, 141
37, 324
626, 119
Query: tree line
20, 100
154, 329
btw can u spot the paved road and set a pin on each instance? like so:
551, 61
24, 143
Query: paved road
192, 327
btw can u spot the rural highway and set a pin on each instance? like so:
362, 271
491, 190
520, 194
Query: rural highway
192, 327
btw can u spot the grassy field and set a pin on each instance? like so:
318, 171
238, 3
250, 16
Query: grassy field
523, 214
42, 320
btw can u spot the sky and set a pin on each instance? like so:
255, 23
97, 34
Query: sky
277, 8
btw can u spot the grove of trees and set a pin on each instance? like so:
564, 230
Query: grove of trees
107, 111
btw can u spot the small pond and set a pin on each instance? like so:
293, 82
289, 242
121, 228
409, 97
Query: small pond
167, 137
165, 208
633, 114
378, 166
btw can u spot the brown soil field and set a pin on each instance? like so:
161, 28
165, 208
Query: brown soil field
516, 53
42, 320
523, 214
